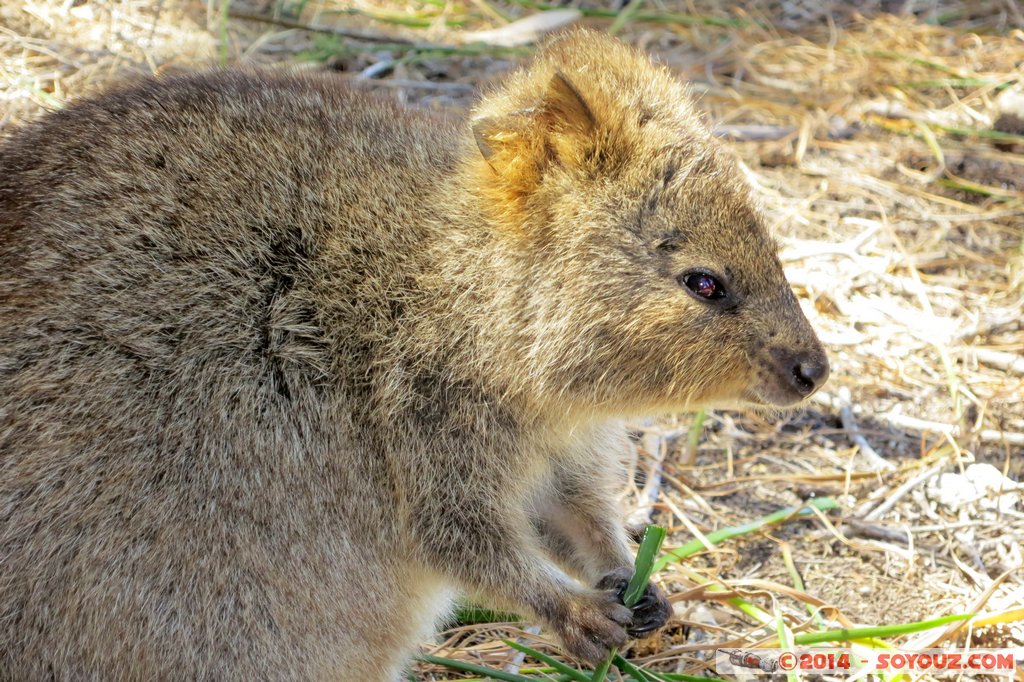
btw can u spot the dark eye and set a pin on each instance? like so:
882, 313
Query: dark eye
704, 285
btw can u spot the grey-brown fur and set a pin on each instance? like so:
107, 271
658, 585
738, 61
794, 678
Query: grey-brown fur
281, 364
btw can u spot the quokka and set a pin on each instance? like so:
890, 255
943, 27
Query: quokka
284, 365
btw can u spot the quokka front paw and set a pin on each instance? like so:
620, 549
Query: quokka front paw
592, 624
648, 614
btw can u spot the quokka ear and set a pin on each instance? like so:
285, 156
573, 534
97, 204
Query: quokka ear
518, 146
564, 108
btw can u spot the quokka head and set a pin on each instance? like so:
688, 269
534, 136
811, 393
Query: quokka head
650, 280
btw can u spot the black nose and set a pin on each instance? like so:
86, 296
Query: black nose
807, 372
804, 372
813, 370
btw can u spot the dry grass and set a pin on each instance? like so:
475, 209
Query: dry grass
867, 130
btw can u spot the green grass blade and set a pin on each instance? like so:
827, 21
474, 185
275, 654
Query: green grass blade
642, 569
601, 671
877, 631
624, 17
910, 59
567, 670
223, 38
644, 566
723, 534
482, 670
937, 83
997, 135
654, 17
639, 674
785, 640
472, 614
693, 437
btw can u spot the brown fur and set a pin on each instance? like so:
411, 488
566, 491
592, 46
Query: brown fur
281, 363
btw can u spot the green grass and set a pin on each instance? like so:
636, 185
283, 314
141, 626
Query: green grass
650, 545
646, 565
223, 38
723, 534
854, 634
327, 45
652, 17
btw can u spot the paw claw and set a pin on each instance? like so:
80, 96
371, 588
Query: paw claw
649, 613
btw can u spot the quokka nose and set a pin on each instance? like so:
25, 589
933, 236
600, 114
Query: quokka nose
809, 372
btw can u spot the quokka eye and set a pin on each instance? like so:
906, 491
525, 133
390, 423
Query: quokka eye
704, 285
